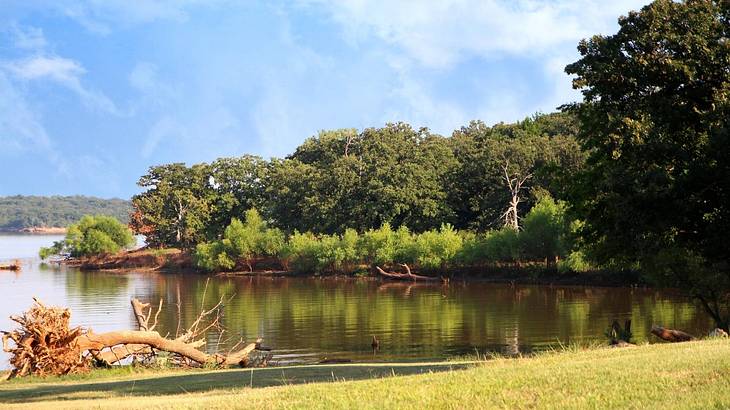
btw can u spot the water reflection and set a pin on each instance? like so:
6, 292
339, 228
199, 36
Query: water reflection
308, 319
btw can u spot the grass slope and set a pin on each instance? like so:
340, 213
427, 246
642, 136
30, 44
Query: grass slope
686, 375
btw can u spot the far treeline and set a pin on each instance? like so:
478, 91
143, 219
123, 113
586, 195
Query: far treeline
635, 177
22, 212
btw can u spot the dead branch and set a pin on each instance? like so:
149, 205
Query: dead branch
45, 344
405, 276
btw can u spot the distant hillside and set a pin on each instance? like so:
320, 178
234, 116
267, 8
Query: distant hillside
21, 212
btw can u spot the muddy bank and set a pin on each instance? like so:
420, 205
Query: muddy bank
142, 259
178, 261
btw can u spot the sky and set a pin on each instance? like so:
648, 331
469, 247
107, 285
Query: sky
94, 92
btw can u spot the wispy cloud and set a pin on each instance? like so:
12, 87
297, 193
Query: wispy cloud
63, 71
28, 38
21, 130
441, 33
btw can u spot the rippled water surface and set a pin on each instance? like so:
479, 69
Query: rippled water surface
309, 319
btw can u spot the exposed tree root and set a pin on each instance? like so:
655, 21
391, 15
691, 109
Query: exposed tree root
45, 344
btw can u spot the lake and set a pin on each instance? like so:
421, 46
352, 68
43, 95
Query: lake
305, 320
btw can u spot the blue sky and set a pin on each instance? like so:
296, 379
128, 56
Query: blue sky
94, 92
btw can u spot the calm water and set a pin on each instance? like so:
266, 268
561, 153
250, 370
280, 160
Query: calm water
307, 320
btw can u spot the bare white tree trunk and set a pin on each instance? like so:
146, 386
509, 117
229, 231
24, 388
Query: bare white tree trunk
515, 184
180, 217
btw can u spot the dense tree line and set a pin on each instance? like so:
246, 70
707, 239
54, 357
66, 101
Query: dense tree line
18, 212
361, 180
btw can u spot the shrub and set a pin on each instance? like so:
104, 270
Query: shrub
502, 245
92, 235
544, 230
300, 252
213, 256
575, 262
242, 241
437, 248
377, 246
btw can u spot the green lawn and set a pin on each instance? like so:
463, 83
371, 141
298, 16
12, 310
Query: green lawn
685, 375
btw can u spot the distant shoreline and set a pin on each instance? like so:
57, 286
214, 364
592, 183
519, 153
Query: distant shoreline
41, 230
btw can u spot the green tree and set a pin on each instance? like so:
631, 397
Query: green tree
175, 208
654, 119
499, 166
92, 235
545, 231
341, 179
237, 185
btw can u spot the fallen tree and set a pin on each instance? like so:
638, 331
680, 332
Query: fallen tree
45, 344
671, 335
406, 276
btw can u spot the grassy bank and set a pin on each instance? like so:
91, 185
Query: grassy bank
686, 375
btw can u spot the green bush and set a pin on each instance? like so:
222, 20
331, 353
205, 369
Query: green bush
213, 256
301, 252
575, 262
502, 245
544, 231
437, 248
92, 235
242, 241
377, 246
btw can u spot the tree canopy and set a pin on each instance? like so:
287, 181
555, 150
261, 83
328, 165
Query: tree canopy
655, 192
345, 179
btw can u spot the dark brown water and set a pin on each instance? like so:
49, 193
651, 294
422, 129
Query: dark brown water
309, 319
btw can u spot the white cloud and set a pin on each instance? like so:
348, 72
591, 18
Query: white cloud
441, 33
101, 16
21, 129
58, 68
421, 37
29, 38
63, 71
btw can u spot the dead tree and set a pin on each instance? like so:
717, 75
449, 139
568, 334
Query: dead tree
515, 183
45, 344
406, 276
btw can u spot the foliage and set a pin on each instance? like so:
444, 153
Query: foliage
543, 146
18, 212
340, 179
544, 231
92, 235
654, 120
242, 241
438, 248
175, 209
544, 238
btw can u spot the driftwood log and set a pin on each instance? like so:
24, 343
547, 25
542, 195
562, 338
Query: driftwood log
671, 335
45, 344
406, 276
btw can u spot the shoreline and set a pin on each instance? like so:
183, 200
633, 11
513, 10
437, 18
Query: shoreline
37, 230
177, 261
